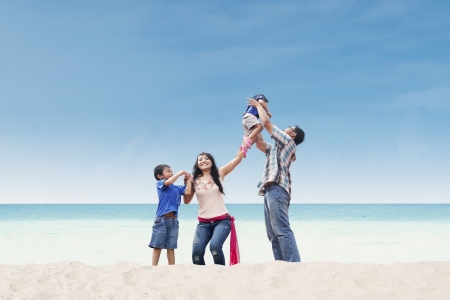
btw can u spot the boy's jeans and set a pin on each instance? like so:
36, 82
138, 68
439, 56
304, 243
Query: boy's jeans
276, 205
216, 232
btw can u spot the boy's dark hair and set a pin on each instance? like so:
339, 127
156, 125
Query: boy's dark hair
159, 170
300, 137
261, 97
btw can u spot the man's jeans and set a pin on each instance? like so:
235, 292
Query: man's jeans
276, 205
216, 232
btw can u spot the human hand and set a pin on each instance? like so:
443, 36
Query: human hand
239, 154
253, 102
187, 176
269, 114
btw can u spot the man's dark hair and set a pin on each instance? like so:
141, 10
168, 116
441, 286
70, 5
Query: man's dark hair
300, 137
261, 97
159, 170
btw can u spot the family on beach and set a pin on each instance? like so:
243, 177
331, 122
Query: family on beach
215, 223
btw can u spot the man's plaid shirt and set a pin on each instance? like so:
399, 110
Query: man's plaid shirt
278, 161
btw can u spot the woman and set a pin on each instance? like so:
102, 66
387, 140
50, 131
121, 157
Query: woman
215, 223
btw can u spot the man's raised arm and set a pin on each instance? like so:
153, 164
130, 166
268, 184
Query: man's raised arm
260, 144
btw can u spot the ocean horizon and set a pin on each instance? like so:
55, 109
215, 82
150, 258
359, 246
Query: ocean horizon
102, 234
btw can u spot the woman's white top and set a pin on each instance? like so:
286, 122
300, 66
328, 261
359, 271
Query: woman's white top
210, 200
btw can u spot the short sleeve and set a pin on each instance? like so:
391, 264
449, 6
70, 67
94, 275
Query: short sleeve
268, 148
182, 189
280, 136
160, 184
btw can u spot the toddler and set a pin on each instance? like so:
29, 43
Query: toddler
252, 126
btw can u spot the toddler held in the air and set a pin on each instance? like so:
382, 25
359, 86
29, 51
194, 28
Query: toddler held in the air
251, 123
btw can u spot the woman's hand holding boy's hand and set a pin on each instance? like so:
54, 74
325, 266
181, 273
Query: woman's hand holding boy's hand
188, 192
187, 176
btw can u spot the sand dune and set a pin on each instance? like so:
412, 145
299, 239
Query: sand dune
273, 280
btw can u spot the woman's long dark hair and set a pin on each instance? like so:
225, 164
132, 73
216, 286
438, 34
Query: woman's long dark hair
196, 172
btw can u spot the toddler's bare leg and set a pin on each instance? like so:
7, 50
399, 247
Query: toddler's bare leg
171, 256
155, 256
254, 136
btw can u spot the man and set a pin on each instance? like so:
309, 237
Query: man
275, 185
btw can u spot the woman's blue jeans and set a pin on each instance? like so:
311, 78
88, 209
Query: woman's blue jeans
215, 233
279, 232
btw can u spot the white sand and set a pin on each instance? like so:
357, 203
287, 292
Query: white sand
274, 280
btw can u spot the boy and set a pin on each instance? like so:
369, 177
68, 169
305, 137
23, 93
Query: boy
252, 126
165, 228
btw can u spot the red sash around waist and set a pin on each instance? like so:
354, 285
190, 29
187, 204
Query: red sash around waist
234, 246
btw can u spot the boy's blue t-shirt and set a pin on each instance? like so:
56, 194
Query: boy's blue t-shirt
169, 197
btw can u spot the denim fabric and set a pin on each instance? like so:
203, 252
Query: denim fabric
276, 205
164, 233
215, 233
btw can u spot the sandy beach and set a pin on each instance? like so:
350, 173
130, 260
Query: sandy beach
313, 280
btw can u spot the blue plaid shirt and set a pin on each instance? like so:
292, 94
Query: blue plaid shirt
278, 161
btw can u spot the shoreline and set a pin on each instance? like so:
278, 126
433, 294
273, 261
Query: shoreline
308, 280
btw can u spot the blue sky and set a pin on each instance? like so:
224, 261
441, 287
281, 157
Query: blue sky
94, 94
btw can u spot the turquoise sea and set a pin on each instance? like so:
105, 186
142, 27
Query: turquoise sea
102, 234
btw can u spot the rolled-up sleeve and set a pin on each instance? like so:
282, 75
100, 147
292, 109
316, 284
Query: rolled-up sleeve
268, 148
280, 136
182, 189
